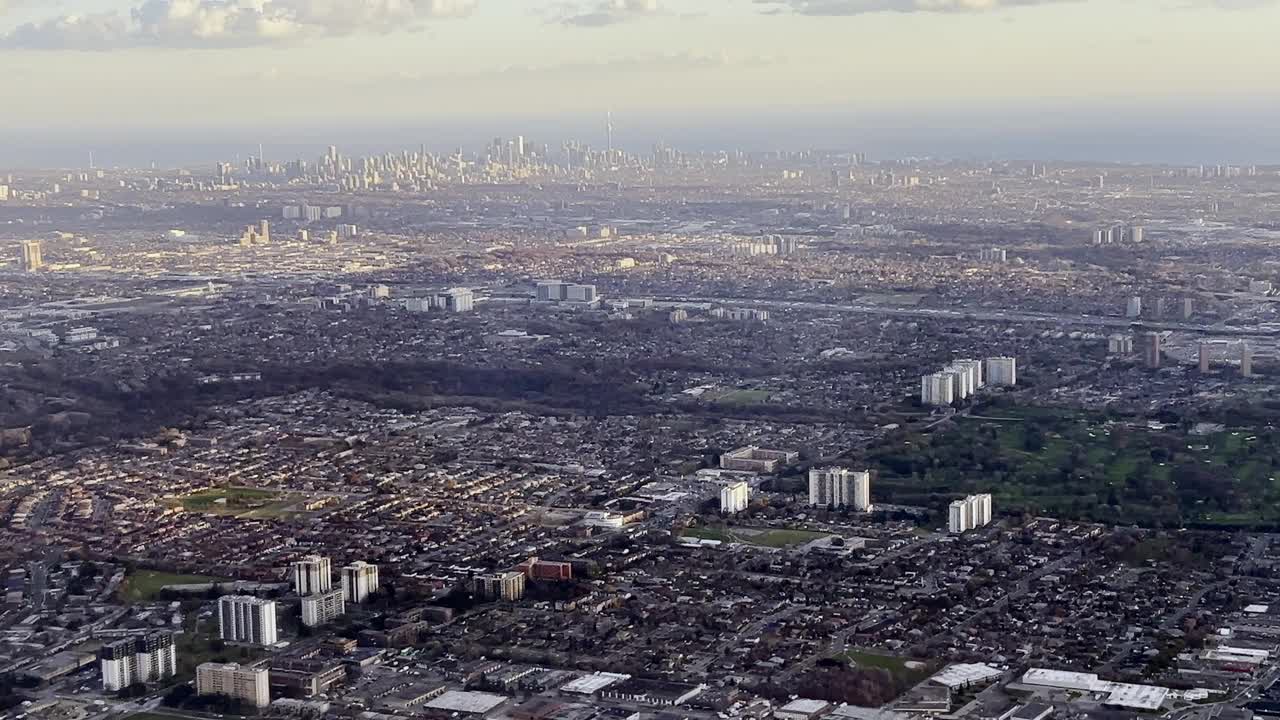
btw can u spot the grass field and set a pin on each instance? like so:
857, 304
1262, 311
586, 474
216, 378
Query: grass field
144, 585
899, 666
241, 502
199, 643
744, 397
762, 537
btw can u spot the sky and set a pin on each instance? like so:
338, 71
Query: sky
291, 68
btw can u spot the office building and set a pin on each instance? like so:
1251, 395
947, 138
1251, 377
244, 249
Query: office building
1002, 371
507, 586
312, 575
248, 685
937, 389
1150, 342
323, 607
972, 512
247, 619
735, 497
455, 300
139, 659
32, 259
840, 487
359, 581
757, 459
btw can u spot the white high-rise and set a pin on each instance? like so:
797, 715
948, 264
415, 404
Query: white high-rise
937, 389
141, 659
247, 619
735, 497
311, 575
1002, 371
840, 486
970, 513
359, 581
320, 608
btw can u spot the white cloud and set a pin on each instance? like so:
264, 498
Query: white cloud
861, 7
608, 12
226, 23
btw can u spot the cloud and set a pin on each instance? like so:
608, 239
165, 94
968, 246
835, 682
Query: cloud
862, 7
227, 23
653, 62
607, 12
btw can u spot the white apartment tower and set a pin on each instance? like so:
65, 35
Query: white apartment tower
840, 486
311, 575
937, 389
1002, 371
247, 619
970, 513
735, 497
359, 581
140, 659
321, 608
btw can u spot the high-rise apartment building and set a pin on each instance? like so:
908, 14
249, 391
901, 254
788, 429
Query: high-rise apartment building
972, 512
1002, 371
141, 659
323, 607
247, 619
937, 389
455, 300
735, 497
499, 586
251, 686
32, 259
1151, 354
311, 575
359, 581
838, 487
1133, 308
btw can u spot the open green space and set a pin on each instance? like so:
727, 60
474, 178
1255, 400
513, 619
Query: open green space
911, 671
762, 537
1080, 466
240, 501
143, 585
744, 397
199, 643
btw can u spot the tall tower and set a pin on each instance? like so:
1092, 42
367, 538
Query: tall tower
608, 127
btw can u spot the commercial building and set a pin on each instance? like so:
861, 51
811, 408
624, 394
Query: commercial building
1002, 371
735, 497
247, 619
140, 659
305, 677
250, 686
320, 608
499, 586
359, 581
757, 460
537, 569
840, 487
970, 513
312, 574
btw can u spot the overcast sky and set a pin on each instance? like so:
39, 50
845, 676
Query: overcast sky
273, 63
